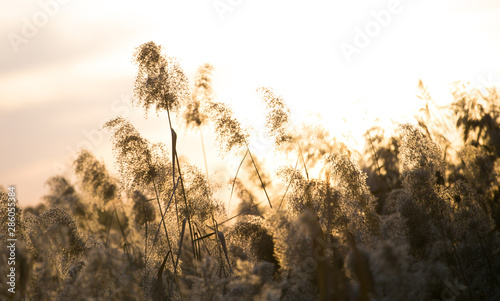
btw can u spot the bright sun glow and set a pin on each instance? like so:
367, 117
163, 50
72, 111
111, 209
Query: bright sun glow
351, 64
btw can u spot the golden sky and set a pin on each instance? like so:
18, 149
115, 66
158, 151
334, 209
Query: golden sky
65, 66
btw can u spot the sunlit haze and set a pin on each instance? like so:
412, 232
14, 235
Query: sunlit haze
349, 63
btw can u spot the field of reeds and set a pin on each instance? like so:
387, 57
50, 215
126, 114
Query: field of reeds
413, 216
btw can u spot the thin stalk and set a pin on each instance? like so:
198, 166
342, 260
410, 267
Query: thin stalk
159, 274
202, 237
288, 186
301, 153
221, 260
303, 160
165, 213
234, 181
174, 147
203, 148
125, 246
162, 220
258, 174
176, 159
178, 253
174, 142
186, 204
108, 230
221, 242
242, 212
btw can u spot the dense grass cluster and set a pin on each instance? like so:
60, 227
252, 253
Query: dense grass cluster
415, 216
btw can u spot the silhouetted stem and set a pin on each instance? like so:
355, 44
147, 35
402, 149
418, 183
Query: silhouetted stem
204, 155
260, 179
125, 242
234, 181
288, 186
176, 159
162, 219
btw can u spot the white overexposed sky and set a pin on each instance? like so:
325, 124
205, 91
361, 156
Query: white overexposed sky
61, 81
